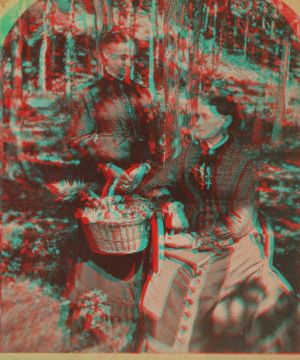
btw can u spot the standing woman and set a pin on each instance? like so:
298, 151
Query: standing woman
109, 131
242, 305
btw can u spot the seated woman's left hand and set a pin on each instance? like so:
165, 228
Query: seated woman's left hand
180, 241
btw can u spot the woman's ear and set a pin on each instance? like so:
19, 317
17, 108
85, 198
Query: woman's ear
104, 53
228, 120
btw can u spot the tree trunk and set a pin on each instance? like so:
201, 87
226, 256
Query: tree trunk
1, 123
172, 24
257, 136
17, 60
288, 61
220, 46
129, 22
234, 32
98, 4
70, 52
246, 38
43, 51
17, 91
206, 17
281, 97
151, 50
215, 45
53, 49
14, 143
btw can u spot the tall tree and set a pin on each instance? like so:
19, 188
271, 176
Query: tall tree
100, 19
281, 97
257, 135
70, 51
43, 50
15, 143
17, 85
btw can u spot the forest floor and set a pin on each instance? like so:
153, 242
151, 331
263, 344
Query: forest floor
31, 323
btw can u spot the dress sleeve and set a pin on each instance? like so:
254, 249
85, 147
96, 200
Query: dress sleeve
84, 137
166, 178
147, 125
80, 133
241, 211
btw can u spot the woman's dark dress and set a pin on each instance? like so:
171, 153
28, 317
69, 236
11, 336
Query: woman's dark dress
109, 123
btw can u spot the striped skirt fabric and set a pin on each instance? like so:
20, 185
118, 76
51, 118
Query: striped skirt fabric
231, 301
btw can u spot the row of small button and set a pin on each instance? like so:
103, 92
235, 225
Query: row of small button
187, 319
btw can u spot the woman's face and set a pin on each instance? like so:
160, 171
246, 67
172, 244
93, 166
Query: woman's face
206, 122
117, 56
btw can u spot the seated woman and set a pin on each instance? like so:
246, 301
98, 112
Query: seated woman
238, 304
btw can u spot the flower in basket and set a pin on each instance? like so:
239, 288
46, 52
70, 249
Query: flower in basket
116, 225
113, 209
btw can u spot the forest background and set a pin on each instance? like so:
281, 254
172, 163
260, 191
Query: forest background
246, 49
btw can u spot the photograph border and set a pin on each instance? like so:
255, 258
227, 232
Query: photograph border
10, 10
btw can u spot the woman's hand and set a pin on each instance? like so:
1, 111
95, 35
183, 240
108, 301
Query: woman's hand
174, 216
180, 241
111, 171
131, 178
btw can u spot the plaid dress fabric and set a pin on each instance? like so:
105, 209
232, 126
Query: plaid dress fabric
110, 122
224, 211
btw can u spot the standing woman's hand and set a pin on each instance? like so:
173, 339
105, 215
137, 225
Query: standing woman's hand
132, 177
110, 171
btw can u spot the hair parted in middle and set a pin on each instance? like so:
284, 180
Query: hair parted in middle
115, 35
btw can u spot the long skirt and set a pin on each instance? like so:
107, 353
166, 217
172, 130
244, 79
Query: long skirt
120, 278
123, 295
227, 301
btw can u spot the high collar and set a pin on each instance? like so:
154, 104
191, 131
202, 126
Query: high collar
111, 77
217, 142
210, 148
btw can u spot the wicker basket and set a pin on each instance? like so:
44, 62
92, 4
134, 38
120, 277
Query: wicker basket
117, 238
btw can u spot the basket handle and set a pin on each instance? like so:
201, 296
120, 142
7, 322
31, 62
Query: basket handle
112, 188
108, 189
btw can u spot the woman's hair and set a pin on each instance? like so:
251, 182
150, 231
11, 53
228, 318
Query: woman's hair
113, 36
225, 105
